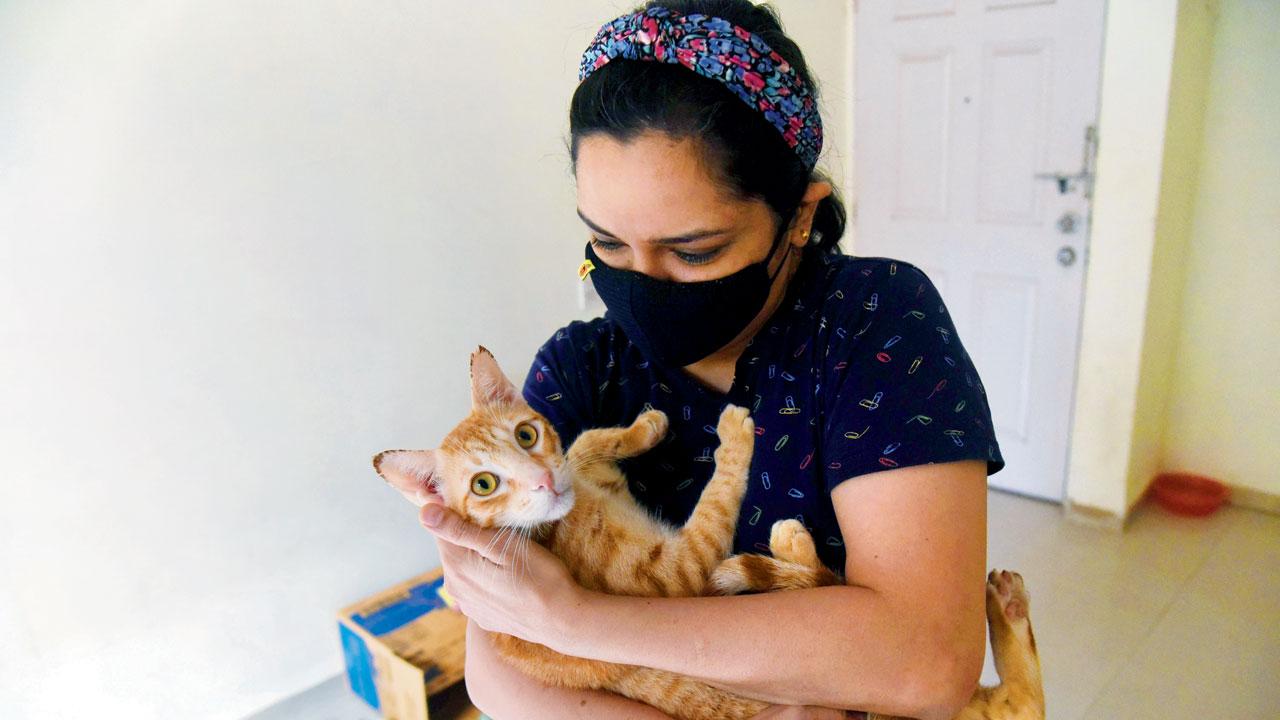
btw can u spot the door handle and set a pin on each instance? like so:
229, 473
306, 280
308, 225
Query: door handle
1066, 180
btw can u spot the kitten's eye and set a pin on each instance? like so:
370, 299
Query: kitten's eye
526, 435
484, 483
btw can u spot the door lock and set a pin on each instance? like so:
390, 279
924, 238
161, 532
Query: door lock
1068, 223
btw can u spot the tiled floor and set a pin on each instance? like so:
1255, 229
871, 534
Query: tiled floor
1173, 618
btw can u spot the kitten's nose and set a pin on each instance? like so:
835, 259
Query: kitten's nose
545, 481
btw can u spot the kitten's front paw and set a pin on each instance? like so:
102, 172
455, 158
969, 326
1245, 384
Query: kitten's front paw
655, 422
736, 426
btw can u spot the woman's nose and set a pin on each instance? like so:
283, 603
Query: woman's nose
646, 262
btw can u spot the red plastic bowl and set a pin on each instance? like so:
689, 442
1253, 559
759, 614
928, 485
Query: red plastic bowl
1189, 494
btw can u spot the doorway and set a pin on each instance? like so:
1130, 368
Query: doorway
975, 138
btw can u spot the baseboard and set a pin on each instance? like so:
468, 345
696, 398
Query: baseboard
1094, 516
1254, 499
1241, 496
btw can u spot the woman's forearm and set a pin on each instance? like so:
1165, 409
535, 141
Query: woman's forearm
840, 646
502, 692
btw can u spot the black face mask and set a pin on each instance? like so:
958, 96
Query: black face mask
679, 323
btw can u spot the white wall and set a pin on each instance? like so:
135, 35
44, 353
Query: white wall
1178, 364
1137, 56
243, 246
824, 29
1225, 390
1179, 177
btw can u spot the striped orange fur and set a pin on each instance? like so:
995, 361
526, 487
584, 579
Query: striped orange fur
577, 504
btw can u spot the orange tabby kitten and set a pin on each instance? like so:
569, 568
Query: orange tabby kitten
503, 467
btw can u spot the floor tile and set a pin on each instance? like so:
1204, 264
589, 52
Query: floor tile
1097, 595
1216, 652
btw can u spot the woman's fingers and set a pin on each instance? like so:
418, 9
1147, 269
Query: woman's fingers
450, 527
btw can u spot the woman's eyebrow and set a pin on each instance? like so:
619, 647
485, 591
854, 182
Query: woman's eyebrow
678, 240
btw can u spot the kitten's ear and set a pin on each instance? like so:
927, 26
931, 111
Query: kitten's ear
412, 472
488, 385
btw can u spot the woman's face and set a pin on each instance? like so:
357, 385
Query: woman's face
651, 206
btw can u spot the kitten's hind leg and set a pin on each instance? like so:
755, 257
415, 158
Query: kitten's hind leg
794, 565
790, 541
749, 572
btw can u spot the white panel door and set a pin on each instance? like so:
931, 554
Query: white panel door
959, 106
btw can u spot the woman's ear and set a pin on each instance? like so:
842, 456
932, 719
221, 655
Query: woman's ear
412, 472
802, 229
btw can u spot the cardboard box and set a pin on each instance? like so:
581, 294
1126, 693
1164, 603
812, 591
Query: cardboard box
404, 649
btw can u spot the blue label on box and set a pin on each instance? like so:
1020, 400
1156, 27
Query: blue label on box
359, 666
421, 600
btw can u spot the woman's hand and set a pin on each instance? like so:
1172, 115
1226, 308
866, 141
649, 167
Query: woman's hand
504, 581
798, 712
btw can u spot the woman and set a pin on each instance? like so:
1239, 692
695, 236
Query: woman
714, 247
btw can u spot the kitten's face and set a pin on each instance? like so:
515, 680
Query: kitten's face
501, 466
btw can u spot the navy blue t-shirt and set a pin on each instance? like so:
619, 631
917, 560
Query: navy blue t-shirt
859, 370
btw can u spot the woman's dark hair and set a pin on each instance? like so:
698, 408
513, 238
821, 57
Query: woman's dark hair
627, 97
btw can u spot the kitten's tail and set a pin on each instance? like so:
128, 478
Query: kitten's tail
761, 573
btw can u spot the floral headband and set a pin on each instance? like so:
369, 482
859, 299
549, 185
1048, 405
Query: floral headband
717, 49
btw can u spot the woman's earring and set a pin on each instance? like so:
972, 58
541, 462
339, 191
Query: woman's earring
805, 236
